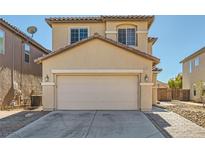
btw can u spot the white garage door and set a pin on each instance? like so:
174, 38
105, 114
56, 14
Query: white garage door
97, 92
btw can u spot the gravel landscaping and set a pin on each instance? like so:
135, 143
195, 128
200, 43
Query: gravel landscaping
16, 121
192, 112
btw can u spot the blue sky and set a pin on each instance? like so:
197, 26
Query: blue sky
178, 37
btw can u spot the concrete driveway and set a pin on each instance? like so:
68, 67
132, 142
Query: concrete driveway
90, 124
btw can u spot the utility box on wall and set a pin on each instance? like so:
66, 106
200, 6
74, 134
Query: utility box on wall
36, 100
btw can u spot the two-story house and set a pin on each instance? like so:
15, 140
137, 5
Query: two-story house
20, 77
100, 63
194, 75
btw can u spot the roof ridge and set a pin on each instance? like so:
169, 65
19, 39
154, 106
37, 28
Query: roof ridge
96, 35
22, 34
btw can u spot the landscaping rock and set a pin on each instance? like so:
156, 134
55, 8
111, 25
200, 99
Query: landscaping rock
193, 113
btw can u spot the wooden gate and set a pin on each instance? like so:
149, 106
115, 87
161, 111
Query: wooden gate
164, 94
167, 94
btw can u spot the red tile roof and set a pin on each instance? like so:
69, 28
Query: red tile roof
101, 18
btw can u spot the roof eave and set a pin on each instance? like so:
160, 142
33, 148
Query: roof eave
152, 39
97, 36
151, 21
199, 52
102, 18
48, 22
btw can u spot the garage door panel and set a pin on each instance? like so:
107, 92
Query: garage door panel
97, 92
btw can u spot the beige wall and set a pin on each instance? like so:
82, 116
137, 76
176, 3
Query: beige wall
149, 48
154, 88
96, 54
48, 97
198, 74
146, 97
61, 32
141, 27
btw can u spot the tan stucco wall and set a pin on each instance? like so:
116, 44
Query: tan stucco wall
198, 74
97, 54
141, 27
61, 32
149, 48
48, 97
154, 88
146, 97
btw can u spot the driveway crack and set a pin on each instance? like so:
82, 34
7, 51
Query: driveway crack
91, 123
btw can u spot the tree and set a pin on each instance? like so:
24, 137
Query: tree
175, 82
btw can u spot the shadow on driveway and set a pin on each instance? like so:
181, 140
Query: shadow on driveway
17, 121
159, 123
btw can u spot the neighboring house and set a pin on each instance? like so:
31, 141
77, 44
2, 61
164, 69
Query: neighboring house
100, 63
161, 84
20, 77
194, 75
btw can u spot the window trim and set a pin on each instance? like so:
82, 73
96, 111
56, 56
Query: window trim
194, 90
77, 27
27, 53
196, 64
4, 35
190, 67
136, 35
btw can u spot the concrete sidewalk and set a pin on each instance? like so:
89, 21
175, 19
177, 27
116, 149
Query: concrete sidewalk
91, 124
175, 125
7, 113
4, 114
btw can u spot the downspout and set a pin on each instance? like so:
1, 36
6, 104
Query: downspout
12, 70
140, 76
21, 66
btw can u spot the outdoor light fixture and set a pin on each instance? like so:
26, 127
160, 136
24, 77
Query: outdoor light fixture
146, 78
47, 78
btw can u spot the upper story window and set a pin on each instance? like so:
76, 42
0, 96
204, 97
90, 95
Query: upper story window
2, 42
78, 34
196, 61
127, 36
27, 52
190, 67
